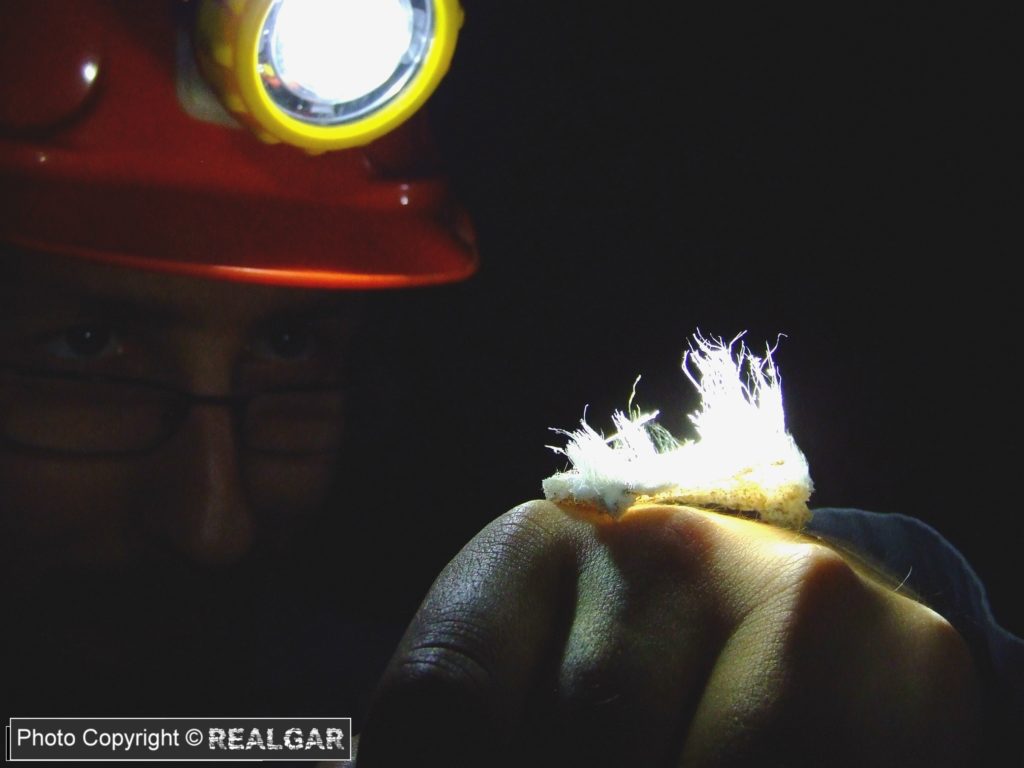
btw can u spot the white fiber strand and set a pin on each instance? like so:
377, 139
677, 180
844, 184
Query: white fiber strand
742, 458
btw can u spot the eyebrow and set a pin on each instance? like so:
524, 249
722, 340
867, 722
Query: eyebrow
149, 313
309, 312
72, 298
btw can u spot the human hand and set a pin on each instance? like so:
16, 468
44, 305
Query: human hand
671, 636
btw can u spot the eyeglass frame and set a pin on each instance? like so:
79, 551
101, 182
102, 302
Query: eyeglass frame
238, 404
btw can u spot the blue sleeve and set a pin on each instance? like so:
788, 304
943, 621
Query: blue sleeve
943, 579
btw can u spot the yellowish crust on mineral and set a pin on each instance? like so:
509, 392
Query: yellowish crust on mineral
786, 510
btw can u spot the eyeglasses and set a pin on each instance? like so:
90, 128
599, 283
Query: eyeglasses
76, 413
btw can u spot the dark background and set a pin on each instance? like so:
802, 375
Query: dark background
842, 177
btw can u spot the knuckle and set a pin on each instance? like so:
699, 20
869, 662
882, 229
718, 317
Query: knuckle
518, 536
817, 590
433, 663
819, 573
510, 542
451, 648
662, 544
534, 521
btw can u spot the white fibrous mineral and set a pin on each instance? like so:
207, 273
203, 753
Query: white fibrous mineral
742, 459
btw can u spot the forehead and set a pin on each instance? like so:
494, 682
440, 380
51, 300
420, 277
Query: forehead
37, 283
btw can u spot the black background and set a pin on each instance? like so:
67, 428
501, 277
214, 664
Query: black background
839, 176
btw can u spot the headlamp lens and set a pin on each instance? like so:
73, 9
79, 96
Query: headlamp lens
327, 63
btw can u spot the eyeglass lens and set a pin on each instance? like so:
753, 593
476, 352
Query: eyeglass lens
92, 416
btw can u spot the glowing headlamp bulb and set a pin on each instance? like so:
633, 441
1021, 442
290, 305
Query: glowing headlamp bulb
338, 51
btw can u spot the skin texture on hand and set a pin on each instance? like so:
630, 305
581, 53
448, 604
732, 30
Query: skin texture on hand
672, 636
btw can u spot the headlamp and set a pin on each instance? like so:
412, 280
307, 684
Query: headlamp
325, 74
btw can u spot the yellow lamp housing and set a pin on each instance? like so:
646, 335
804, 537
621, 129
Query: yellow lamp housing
325, 74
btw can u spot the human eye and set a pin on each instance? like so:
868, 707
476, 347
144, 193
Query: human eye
293, 351
285, 343
83, 343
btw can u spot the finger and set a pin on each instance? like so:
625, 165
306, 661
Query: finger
646, 631
459, 679
833, 669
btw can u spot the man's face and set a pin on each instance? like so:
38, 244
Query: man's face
98, 471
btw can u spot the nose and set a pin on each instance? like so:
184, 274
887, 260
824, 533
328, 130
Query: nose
210, 518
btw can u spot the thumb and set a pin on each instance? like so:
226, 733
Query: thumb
454, 691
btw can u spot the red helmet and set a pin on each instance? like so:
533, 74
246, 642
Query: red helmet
110, 150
